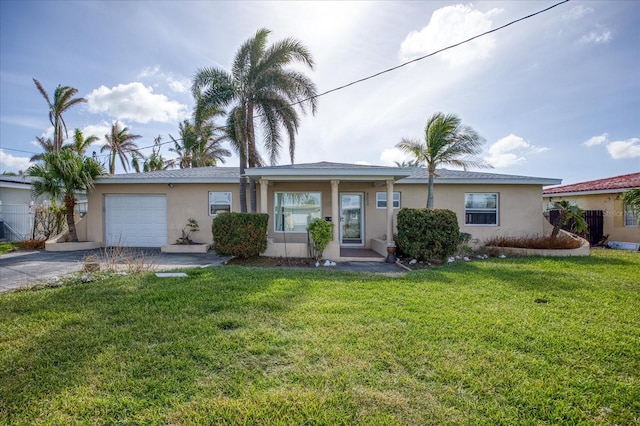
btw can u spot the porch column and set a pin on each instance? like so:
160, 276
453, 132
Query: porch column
335, 210
389, 210
264, 186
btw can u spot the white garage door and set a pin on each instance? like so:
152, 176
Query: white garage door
135, 220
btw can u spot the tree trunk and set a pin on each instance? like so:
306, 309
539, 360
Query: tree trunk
243, 187
557, 224
430, 188
70, 203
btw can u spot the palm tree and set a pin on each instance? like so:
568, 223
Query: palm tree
155, 161
61, 175
63, 99
413, 163
446, 141
120, 142
631, 198
198, 146
569, 212
261, 87
80, 143
47, 146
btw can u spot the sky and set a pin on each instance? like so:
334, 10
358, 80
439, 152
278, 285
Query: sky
556, 95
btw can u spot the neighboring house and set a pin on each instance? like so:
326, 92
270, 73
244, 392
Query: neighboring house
15, 207
603, 194
150, 209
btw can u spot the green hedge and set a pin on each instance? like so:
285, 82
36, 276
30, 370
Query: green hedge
427, 234
240, 234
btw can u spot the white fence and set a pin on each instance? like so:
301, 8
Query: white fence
18, 221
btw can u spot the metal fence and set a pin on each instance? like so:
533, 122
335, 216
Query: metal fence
17, 222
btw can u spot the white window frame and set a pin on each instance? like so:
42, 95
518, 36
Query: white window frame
471, 210
381, 200
630, 220
276, 213
230, 201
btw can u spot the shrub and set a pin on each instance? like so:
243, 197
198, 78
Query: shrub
321, 233
427, 234
240, 234
49, 221
550, 243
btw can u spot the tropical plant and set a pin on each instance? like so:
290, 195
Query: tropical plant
321, 233
188, 230
197, 145
446, 141
119, 143
63, 99
412, 163
260, 87
568, 212
153, 162
62, 174
47, 145
631, 198
79, 143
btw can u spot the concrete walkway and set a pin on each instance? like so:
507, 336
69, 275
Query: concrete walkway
21, 268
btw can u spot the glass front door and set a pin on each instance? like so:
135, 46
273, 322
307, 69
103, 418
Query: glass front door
351, 220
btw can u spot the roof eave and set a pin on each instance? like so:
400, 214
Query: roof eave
594, 192
488, 181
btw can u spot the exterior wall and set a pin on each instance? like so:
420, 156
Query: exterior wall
183, 201
519, 214
611, 205
15, 195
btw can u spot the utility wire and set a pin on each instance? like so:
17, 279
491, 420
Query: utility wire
404, 64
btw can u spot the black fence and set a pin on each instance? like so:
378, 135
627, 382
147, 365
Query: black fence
595, 222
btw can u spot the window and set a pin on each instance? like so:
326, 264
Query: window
481, 209
630, 219
219, 202
295, 210
381, 200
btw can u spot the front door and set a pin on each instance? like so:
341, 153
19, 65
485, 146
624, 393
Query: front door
351, 219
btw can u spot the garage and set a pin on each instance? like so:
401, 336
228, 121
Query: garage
135, 220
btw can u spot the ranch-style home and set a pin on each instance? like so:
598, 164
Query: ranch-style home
150, 209
604, 195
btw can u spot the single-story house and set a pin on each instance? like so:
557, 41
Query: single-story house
602, 194
150, 209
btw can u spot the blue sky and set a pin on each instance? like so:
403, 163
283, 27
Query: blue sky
557, 95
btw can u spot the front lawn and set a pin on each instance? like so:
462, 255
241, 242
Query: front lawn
501, 341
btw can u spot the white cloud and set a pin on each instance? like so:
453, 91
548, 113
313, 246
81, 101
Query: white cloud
178, 86
135, 102
450, 25
389, 156
13, 162
624, 149
596, 140
597, 37
510, 151
577, 12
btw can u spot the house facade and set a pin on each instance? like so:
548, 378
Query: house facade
150, 209
602, 194
16, 203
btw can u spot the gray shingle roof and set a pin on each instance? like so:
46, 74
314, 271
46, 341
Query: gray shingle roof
408, 175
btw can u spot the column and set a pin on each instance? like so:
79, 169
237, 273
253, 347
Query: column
389, 211
264, 200
335, 210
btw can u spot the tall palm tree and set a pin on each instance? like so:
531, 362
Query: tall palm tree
63, 99
412, 163
198, 146
120, 142
155, 161
62, 174
79, 143
261, 87
446, 141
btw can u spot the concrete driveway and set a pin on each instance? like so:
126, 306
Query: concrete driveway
21, 268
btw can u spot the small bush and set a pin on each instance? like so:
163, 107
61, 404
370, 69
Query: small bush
427, 234
240, 234
321, 233
549, 243
33, 244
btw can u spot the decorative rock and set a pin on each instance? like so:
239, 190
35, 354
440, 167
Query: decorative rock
333, 263
327, 263
502, 256
413, 261
466, 259
451, 259
86, 279
170, 274
317, 264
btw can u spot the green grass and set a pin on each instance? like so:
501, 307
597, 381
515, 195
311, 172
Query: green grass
460, 344
8, 247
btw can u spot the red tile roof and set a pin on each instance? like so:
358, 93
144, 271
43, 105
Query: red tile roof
613, 184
